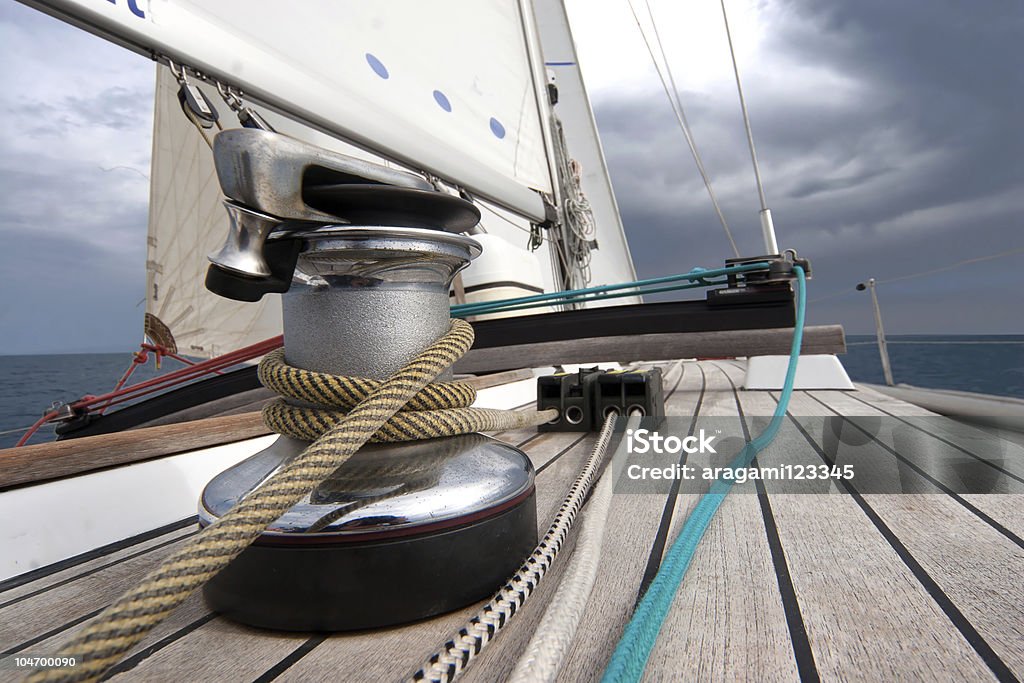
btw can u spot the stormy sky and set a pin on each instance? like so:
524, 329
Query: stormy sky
889, 136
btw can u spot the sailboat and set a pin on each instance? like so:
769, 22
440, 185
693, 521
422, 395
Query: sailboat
898, 560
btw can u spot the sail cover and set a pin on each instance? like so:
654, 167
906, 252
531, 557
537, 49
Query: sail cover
450, 87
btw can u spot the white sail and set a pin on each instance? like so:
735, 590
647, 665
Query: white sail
611, 262
448, 87
186, 222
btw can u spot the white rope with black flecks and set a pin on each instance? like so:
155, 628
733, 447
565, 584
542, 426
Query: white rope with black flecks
469, 641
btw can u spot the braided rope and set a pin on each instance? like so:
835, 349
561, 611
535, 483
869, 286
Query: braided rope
469, 641
347, 392
546, 653
127, 621
439, 409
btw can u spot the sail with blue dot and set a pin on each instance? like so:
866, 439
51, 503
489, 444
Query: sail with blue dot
446, 86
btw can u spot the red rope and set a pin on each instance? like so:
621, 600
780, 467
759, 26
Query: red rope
35, 427
193, 370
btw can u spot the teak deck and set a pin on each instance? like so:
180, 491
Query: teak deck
923, 586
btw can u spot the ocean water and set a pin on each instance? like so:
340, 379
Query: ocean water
984, 364
30, 384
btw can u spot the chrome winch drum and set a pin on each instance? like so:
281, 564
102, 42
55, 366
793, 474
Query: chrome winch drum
399, 532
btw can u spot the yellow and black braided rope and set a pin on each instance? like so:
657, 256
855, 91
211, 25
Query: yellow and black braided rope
101, 644
439, 409
346, 392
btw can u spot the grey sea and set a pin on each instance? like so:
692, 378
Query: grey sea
984, 364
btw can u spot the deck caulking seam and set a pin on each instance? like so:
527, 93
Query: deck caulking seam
661, 537
939, 438
960, 622
1014, 538
803, 654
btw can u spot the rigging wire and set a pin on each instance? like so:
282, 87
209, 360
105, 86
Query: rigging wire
931, 271
950, 267
672, 93
743, 108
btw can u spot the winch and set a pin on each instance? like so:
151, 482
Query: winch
364, 256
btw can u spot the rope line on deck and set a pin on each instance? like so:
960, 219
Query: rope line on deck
468, 642
127, 621
641, 633
546, 653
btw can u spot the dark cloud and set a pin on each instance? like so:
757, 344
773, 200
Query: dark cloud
77, 116
117, 108
66, 296
52, 203
888, 135
900, 153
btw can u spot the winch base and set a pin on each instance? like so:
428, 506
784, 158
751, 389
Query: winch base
369, 584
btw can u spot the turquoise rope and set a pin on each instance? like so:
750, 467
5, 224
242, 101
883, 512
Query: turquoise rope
570, 297
695, 278
631, 654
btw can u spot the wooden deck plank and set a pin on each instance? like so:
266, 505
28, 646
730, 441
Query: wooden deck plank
728, 615
41, 462
992, 467
866, 615
64, 604
190, 611
498, 661
218, 650
867, 611
87, 592
408, 646
879, 400
976, 568
631, 539
74, 568
974, 442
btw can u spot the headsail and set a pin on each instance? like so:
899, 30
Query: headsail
186, 222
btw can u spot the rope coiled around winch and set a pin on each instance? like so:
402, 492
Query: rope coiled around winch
101, 644
439, 409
